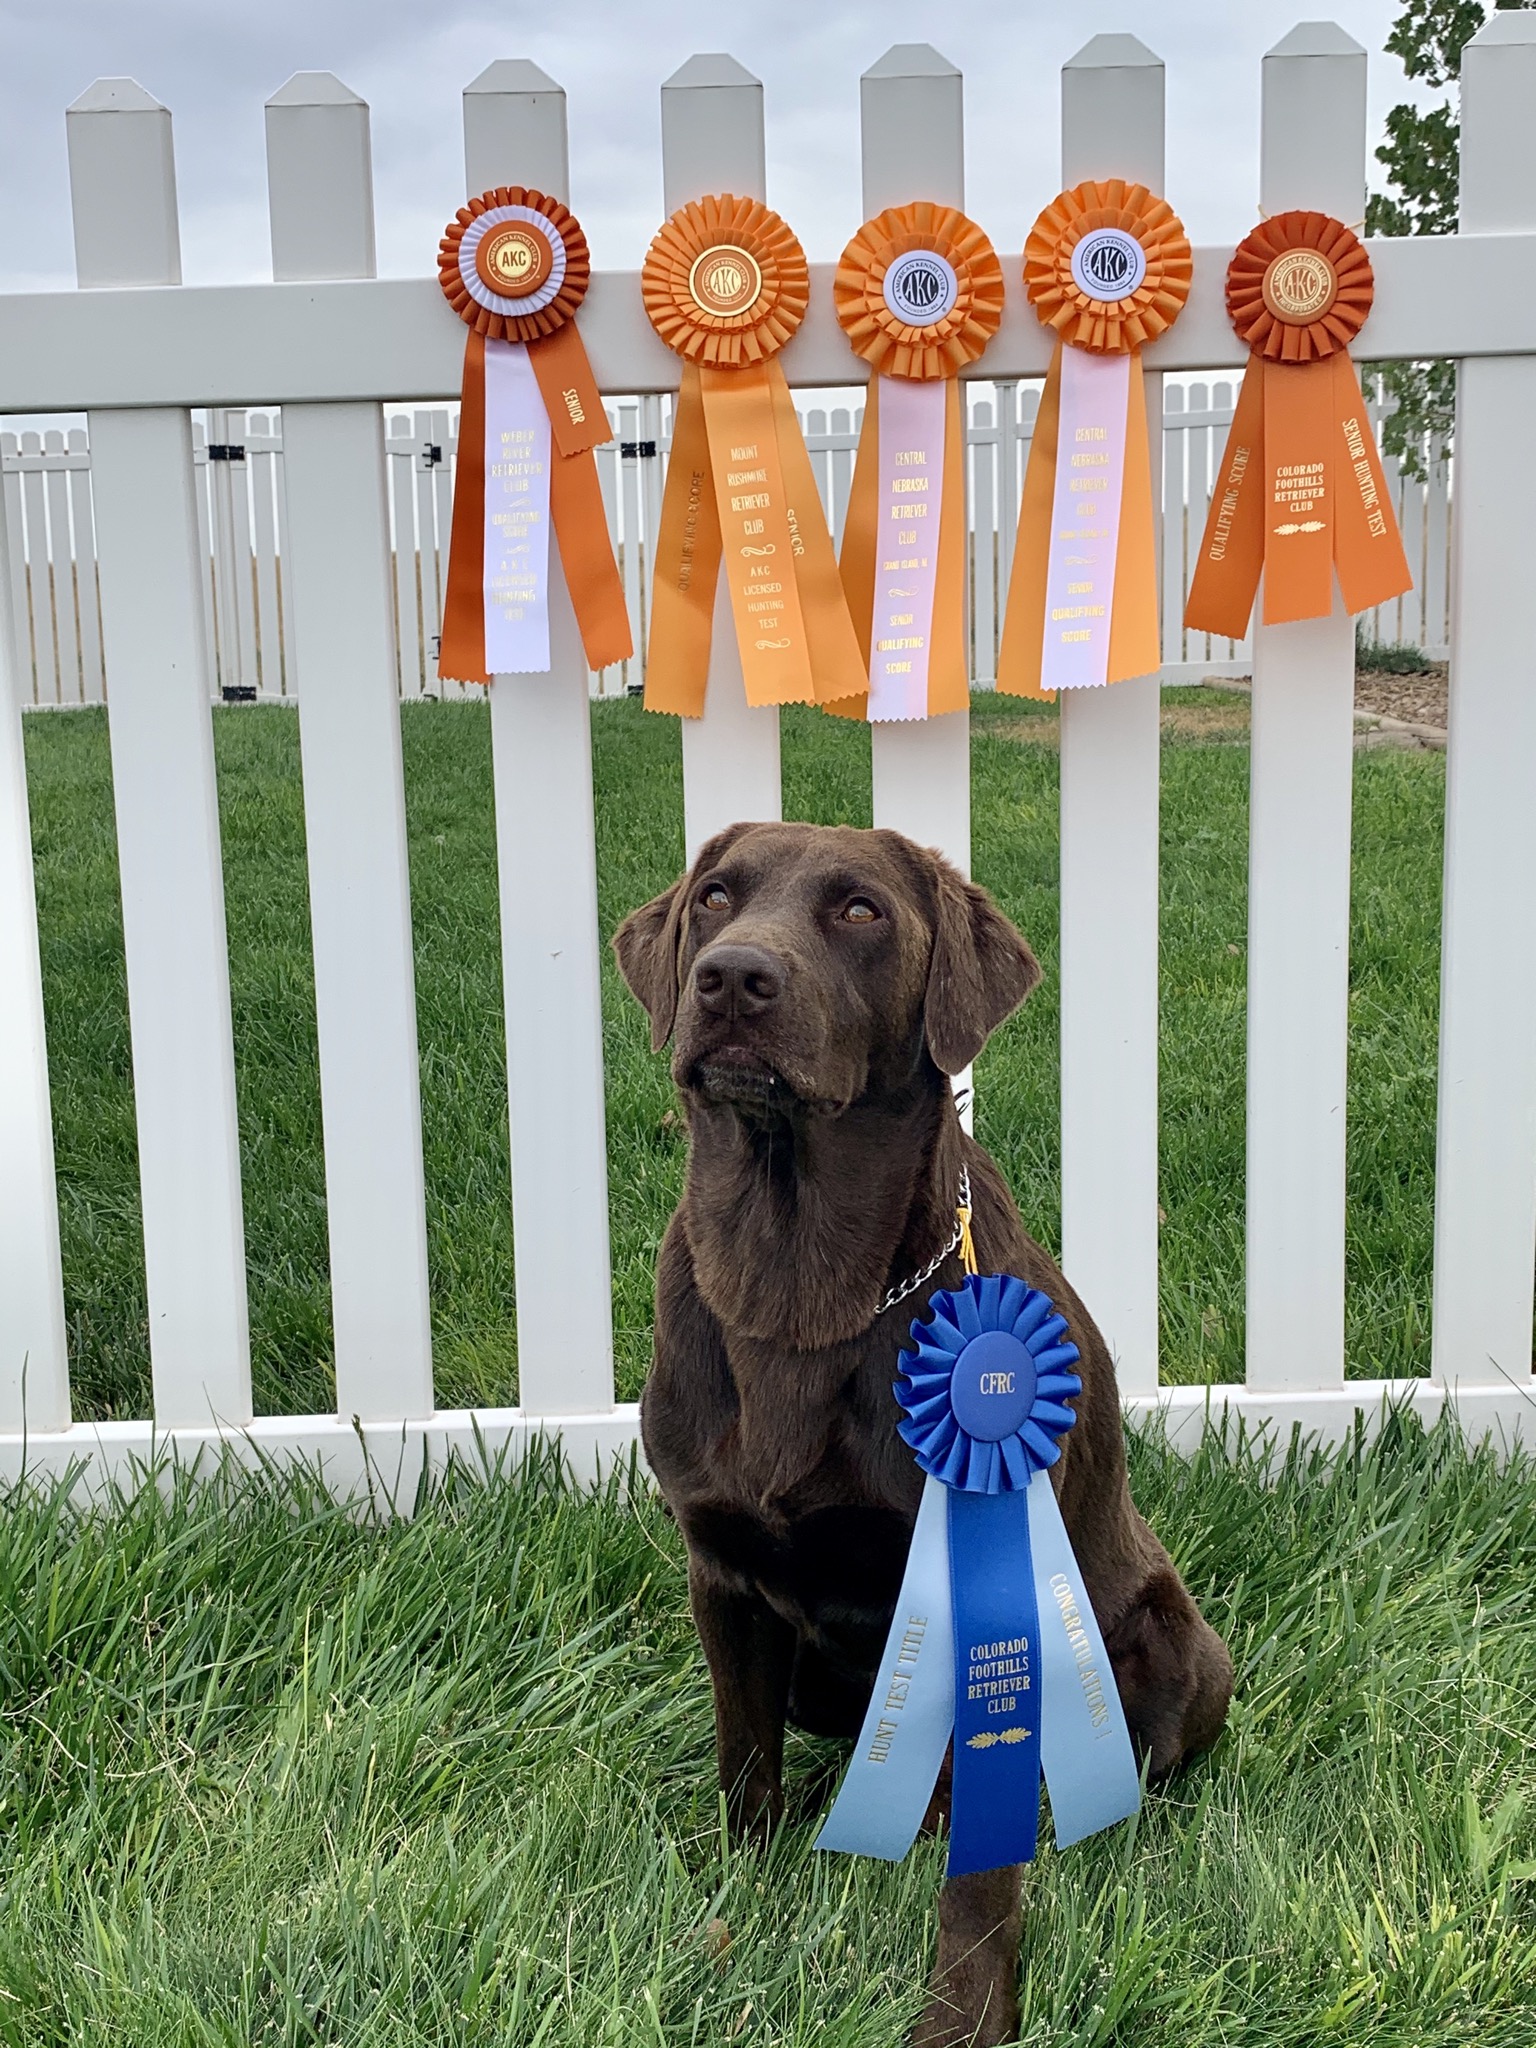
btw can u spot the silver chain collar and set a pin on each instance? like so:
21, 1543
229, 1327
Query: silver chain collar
896, 1294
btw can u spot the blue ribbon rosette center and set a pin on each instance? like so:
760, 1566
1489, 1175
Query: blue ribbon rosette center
993, 1387
985, 1396
993, 1646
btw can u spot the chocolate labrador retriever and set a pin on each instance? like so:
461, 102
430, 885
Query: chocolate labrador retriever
820, 984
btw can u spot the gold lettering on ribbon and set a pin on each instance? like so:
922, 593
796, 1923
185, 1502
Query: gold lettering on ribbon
898, 1686
1000, 1674
1082, 1652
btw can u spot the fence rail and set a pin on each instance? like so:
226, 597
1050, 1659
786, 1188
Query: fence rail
239, 471
135, 570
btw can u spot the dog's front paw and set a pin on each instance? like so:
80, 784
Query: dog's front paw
973, 1994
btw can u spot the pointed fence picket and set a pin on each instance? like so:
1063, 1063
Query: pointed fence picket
290, 543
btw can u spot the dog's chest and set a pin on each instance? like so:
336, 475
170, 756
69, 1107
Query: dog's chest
833, 1572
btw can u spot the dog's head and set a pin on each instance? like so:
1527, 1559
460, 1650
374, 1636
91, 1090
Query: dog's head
811, 966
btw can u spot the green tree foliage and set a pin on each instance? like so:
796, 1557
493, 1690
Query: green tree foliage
1422, 158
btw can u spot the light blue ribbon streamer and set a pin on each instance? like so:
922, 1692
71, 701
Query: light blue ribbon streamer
1085, 1747
900, 1750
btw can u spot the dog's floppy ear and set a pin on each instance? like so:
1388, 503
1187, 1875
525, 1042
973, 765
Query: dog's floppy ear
649, 940
646, 947
979, 972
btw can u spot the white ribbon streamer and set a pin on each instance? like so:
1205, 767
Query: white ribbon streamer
517, 456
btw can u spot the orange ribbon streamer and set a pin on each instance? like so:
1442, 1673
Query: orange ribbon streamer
1301, 495
517, 263
1107, 266
725, 285
919, 293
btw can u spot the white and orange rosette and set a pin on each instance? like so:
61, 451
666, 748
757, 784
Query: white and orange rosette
1107, 267
1301, 494
919, 294
725, 285
513, 265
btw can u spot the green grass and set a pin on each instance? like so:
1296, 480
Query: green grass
275, 1776
1398, 804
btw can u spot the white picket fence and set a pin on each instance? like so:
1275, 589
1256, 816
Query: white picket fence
249, 643
329, 345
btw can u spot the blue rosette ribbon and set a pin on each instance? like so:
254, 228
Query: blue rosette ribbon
993, 1641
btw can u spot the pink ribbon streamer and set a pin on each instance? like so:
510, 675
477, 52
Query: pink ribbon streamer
912, 414
1085, 519
516, 514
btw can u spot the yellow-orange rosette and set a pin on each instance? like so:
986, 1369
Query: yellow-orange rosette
919, 294
725, 285
1093, 296
1107, 268
1302, 496
927, 324
513, 264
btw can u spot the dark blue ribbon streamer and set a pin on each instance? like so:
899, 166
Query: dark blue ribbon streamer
995, 1812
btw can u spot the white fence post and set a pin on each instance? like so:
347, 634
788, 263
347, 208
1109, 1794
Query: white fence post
541, 741
1312, 155
911, 107
34, 1360
123, 189
1485, 1173
337, 580
712, 141
1112, 95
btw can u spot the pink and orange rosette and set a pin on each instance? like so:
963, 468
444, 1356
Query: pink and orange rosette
1107, 267
725, 285
919, 294
1301, 493
513, 264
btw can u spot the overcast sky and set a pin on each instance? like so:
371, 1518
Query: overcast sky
214, 62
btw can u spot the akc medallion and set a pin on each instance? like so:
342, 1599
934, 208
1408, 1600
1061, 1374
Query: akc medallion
1108, 264
1300, 285
513, 261
725, 280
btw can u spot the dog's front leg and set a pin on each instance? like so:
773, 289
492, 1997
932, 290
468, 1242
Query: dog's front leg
751, 1653
973, 1995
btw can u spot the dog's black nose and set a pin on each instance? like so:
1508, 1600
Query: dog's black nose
737, 981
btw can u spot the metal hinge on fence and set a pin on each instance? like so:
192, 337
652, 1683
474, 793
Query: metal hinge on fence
226, 451
431, 454
631, 450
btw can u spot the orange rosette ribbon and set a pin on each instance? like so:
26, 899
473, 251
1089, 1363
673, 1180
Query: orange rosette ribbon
725, 285
513, 264
919, 294
1301, 493
1107, 267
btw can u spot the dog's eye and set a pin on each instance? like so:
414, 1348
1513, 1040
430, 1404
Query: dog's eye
859, 911
716, 897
